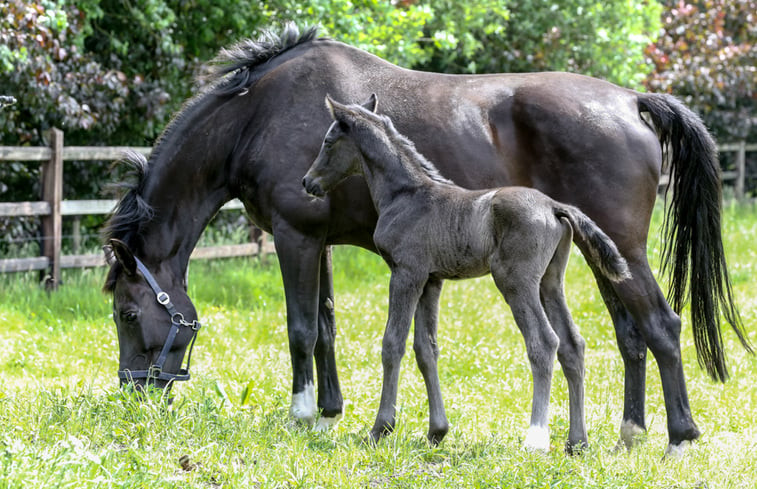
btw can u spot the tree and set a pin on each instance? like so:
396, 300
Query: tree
55, 81
706, 54
599, 38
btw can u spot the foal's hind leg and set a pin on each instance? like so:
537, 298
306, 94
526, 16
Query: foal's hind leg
522, 294
570, 352
427, 354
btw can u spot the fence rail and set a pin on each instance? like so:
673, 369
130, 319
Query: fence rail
52, 208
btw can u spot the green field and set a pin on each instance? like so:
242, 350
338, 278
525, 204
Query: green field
64, 423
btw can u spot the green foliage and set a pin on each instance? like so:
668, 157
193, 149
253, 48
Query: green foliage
64, 423
604, 39
55, 82
707, 55
377, 26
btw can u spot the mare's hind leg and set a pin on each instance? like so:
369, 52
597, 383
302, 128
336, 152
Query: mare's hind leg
329, 394
633, 351
427, 354
570, 352
521, 292
661, 329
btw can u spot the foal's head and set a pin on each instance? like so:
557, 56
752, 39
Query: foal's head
340, 155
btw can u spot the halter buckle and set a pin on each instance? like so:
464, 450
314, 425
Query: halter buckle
154, 372
163, 298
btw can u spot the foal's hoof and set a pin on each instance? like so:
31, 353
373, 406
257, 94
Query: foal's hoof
537, 439
435, 436
576, 448
372, 439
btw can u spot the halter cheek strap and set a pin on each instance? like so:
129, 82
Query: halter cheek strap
155, 372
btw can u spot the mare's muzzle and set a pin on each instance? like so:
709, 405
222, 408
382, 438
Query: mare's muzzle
155, 374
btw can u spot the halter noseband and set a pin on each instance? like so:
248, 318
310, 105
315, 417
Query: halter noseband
155, 372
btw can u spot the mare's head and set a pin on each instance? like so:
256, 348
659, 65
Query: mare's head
154, 316
339, 156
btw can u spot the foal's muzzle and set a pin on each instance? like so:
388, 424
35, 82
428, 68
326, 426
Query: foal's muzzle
312, 188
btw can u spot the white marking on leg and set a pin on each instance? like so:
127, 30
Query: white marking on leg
537, 438
629, 434
677, 451
303, 407
325, 424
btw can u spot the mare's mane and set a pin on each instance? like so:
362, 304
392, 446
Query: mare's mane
231, 72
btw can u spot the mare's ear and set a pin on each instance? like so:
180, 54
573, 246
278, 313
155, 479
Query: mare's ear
110, 257
123, 255
372, 103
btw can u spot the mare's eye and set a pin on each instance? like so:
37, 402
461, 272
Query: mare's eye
129, 316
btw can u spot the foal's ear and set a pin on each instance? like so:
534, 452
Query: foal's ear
339, 112
372, 103
120, 253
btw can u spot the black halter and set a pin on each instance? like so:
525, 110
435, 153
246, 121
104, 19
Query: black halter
155, 372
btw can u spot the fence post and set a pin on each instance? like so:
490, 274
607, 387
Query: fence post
52, 193
740, 170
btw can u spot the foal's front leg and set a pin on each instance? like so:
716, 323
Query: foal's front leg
427, 354
404, 292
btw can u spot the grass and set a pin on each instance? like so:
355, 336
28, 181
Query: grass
63, 422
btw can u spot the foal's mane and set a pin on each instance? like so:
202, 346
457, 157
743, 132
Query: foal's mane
233, 71
404, 145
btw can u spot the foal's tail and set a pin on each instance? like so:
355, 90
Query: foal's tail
692, 228
603, 253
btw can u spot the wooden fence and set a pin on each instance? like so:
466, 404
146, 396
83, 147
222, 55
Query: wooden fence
51, 209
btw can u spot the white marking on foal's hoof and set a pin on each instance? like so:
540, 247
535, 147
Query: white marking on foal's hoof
677, 451
303, 407
537, 438
325, 424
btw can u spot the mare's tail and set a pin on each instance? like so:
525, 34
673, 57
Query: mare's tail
603, 253
692, 228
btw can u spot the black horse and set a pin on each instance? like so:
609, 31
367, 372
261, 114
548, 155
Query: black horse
583, 141
430, 229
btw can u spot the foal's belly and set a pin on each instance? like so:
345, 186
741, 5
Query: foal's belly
461, 260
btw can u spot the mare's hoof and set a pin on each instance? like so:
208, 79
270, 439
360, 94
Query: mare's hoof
677, 451
326, 423
631, 435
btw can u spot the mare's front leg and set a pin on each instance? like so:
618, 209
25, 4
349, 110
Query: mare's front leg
427, 354
300, 259
404, 291
330, 402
